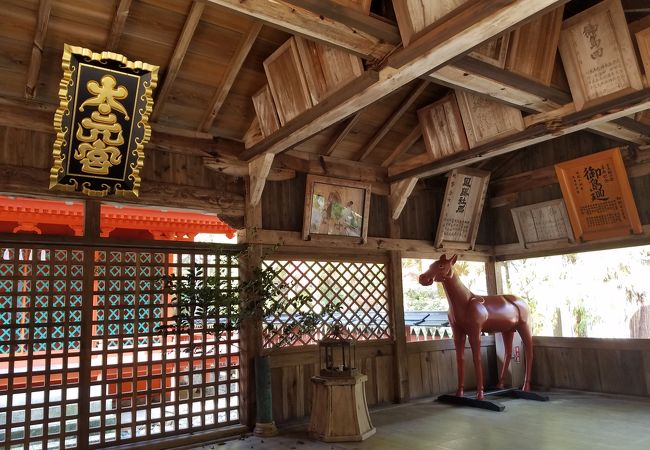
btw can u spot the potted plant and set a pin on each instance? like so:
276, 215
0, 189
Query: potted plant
207, 304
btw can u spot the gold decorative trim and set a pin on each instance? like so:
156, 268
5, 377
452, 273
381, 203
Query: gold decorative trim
67, 81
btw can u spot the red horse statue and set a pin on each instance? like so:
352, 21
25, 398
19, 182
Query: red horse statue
470, 314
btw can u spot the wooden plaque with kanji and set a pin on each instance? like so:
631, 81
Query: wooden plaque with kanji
598, 197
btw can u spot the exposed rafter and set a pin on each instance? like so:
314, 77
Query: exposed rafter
44, 8
403, 146
234, 66
392, 120
341, 133
174, 66
119, 21
470, 74
441, 47
564, 121
286, 16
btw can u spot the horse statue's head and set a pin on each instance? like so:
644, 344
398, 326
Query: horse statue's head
438, 271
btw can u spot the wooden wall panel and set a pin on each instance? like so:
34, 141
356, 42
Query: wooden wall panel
378, 222
419, 218
432, 368
293, 368
615, 366
282, 204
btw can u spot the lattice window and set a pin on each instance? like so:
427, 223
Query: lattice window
144, 385
359, 287
141, 385
40, 330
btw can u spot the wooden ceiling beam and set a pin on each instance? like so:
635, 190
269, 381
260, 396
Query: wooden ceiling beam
566, 121
439, 47
119, 21
341, 133
392, 120
403, 146
288, 17
385, 31
234, 66
472, 75
180, 50
34, 69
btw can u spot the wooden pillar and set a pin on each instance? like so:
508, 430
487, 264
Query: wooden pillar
493, 277
92, 209
251, 330
396, 298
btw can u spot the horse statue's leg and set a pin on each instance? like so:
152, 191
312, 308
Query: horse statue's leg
459, 343
507, 345
527, 338
475, 342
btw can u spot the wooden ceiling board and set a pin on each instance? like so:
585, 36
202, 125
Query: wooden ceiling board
86, 11
18, 21
153, 24
14, 55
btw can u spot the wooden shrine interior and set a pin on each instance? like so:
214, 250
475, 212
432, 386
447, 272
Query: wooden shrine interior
210, 151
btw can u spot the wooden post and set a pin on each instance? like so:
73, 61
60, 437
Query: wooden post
396, 299
251, 329
92, 210
493, 277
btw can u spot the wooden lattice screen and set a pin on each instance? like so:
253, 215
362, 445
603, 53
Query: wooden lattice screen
359, 287
130, 383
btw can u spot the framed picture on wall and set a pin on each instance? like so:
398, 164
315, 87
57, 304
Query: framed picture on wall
336, 207
462, 207
598, 197
542, 223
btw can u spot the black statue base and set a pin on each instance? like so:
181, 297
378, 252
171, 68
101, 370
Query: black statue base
471, 401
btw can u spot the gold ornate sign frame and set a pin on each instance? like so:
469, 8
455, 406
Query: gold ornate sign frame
96, 181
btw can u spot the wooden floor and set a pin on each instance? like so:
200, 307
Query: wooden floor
571, 421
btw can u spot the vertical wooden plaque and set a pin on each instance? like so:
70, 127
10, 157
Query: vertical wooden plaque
442, 127
462, 207
598, 196
598, 55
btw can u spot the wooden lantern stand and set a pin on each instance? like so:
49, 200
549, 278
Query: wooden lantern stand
339, 410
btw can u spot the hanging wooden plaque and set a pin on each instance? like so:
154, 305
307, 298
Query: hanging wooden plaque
102, 123
442, 127
542, 222
598, 55
462, 207
598, 196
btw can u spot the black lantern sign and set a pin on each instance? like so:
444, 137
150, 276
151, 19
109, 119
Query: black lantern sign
102, 123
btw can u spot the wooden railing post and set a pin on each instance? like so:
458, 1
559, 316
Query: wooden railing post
493, 277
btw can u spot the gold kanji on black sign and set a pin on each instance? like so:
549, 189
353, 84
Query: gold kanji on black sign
102, 123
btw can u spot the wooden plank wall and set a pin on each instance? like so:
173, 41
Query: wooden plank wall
432, 366
614, 366
431, 371
181, 179
292, 369
546, 154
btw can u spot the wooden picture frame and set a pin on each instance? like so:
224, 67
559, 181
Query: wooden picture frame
598, 55
326, 69
598, 197
542, 223
462, 208
336, 208
267, 114
442, 127
486, 120
287, 82
533, 47
493, 51
641, 32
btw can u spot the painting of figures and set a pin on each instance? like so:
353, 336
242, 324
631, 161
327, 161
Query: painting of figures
336, 208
